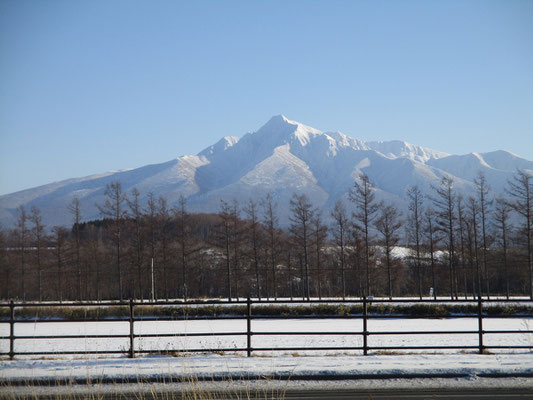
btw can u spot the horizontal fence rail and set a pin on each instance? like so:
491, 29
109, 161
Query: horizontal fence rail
129, 316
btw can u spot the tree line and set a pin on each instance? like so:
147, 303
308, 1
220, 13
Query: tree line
458, 246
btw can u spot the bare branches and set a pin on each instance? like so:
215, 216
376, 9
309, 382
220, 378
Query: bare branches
340, 234
444, 204
249, 251
414, 227
114, 208
388, 225
301, 218
74, 208
521, 190
363, 197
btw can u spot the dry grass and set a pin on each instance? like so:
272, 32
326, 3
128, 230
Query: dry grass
276, 310
183, 388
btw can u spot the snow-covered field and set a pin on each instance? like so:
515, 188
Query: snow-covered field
217, 365
443, 368
350, 339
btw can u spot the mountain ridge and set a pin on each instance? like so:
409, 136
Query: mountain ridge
282, 157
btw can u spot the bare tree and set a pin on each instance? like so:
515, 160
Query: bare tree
362, 195
137, 236
183, 238
444, 203
4, 266
482, 191
462, 229
114, 208
502, 212
301, 216
521, 190
38, 236
289, 272
226, 220
319, 234
163, 220
94, 245
473, 217
270, 220
430, 231
469, 239
388, 225
75, 210
355, 257
151, 222
237, 234
414, 225
22, 231
60, 235
254, 236
340, 233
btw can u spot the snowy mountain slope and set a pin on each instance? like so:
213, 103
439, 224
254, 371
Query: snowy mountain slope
282, 157
468, 166
397, 148
506, 161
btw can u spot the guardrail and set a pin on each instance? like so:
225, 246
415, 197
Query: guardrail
249, 333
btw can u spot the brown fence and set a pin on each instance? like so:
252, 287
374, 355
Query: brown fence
249, 333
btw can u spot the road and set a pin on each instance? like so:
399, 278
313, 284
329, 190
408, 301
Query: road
451, 394
394, 389
448, 394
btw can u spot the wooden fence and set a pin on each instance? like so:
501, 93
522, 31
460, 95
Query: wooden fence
248, 305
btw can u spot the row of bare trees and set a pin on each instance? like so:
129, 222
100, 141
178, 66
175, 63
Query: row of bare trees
457, 246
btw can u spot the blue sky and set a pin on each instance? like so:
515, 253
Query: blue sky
92, 86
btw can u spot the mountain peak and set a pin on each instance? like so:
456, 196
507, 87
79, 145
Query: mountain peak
275, 132
278, 122
281, 118
284, 157
219, 147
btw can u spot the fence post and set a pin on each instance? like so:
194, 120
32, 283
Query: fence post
132, 349
249, 328
365, 326
11, 330
480, 324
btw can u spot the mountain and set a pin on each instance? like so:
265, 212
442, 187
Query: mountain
283, 157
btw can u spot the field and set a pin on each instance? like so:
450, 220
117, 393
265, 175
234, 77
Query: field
267, 343
164, 361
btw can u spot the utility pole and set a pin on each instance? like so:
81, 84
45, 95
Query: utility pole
152, 271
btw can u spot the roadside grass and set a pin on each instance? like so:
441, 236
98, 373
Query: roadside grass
182, 388
179, 312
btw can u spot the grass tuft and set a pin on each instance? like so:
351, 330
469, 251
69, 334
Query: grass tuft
188, 387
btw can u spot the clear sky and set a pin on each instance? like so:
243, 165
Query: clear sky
92, 86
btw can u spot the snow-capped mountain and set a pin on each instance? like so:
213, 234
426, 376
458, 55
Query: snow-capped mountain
283, 157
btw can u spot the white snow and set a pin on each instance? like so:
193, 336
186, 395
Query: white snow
220, 147
270, 342
328, 162
398, 148
292, 364
281, 168
212, 365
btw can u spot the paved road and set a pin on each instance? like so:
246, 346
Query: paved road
147, 391
504, 394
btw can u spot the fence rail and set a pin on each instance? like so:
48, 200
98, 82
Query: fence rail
131, 318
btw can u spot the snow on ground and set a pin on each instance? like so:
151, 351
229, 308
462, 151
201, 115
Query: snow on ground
208, 366
271, 342
288, 363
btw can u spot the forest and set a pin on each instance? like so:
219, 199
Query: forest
443, 244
